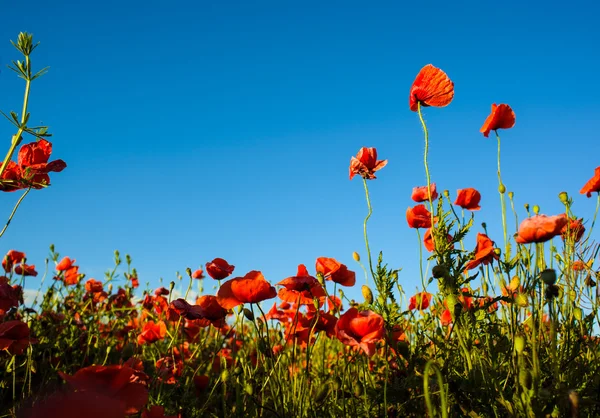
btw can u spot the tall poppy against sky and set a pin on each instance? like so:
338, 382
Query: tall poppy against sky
281, 96
432, 87
502, 117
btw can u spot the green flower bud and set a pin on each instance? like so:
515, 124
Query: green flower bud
367, 294
502, 188
564, 197
578, 313
225, 376
511, 195
356, 256
249, 389
536, 209
519, 344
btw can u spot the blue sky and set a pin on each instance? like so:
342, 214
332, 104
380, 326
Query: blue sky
195, 130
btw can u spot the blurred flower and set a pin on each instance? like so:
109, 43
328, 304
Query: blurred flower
219, 269
540, 228
26, 270
11, 258
573, 230
198, 274
71, 272
152, 332
365, 164
420, 194
420, 301
14, 337
593, 184
115, 382
468, 199
502, 117
431, 87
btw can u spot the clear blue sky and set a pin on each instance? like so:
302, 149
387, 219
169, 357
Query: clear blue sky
195, 130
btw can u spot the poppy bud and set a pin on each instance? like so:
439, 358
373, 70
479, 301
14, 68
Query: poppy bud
171, 286
536, 209
525, 378
446, 193
249, 389
497, 251
322, 393
127, 258
519, 344
521, 300
225, 376
316, 303
188, 272
117, 257
564, 197
321, 279
527, 207
358, 389
248, 314
511, 195
356, 256
438, 271
51, 248
578, 313
502, 188
110, 287
367, 294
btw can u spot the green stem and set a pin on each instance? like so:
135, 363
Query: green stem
425, 162
365, 226
594, 219
12, 214
430, 364
502, 191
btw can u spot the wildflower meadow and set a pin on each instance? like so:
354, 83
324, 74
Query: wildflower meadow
507, 328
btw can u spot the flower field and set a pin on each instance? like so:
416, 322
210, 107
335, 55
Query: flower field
506, 329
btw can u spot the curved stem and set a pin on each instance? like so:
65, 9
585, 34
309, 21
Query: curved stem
430, 364
14, 211
425, 162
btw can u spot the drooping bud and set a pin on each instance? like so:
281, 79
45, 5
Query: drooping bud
248, 314
367, 294
356, 256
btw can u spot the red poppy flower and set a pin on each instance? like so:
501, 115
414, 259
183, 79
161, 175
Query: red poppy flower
161, 291
210, 308
152, 332
360, 329
593, 184
420, 301
540, 228
11, 258
184, 309
301, 288
198, 274
14, 337
502, 117
93, 286
468, 199
432, 87
11, 178
446, 318
420, 194
335, 271
219, 269
71, 272
10, 296
573, 229
484, 252
116, 382
365, 164
65, 264
252, 288
26, 270
428, 240
418, 217
33, 163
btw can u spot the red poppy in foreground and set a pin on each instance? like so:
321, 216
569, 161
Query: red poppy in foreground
502, 117
428, 241
418, 217
252, 288
76, 405
360, 329
33, 163
540, 228
484, 252
420, 194
365, 164
115, 382
14, 337
420, 301
468, 199
335, 271
432, 87
593, 184
219, 269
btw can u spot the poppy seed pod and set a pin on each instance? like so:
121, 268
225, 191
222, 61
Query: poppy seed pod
564, 197
548, 276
